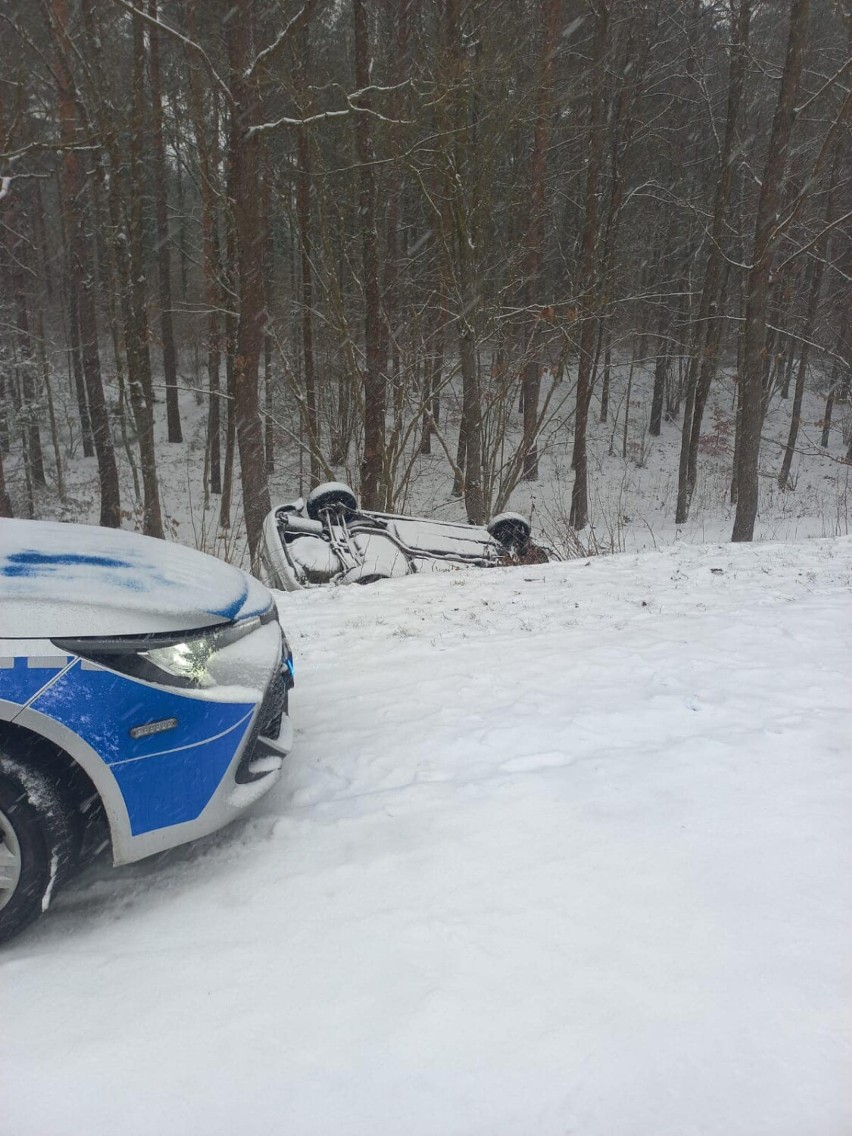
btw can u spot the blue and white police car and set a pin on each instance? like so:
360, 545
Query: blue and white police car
143, 701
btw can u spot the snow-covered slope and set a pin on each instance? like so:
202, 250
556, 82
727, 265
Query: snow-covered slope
561, 849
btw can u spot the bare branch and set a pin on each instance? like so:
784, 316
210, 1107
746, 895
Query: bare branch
812, 243
826, 85
265, 127
295, 25
186, 41
49, 147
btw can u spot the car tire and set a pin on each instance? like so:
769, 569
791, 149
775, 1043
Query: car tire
511, 531
330, 495
38, 844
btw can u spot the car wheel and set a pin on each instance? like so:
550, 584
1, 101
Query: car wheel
330, 495
37, 844
510, 530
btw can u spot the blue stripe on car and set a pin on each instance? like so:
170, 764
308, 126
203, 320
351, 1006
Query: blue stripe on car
230, 610
34, 563
160, 787
20, 682
172, 787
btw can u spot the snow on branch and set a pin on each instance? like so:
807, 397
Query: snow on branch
827, 85
186, 41
47, 148
813, 242
293, 26
265, 127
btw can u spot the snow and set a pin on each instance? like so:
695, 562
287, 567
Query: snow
51, 884
460, 540
559, 849
63, 580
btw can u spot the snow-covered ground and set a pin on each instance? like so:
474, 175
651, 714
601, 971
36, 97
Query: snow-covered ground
562, 849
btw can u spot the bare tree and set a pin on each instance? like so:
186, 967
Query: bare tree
708, 326
82, 272
550, 11
374, 379
589, 263
161, 199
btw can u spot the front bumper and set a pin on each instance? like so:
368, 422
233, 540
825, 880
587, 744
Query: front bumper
211, 754
253, 770
270, 737
230, 800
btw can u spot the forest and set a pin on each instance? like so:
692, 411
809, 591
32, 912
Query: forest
380, 240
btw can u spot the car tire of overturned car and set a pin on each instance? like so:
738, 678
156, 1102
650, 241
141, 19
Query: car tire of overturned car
37, 843
512, 531
330, 495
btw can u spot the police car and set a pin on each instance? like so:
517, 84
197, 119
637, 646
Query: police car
143, 701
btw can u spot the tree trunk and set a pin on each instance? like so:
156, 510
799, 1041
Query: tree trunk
19, 271
461, 457
835, 385
5, 500
208, 170
303, 213
399, 12
471, 427
661, 368
374, 380
4, 414
268, 292
76, 362
229, 301
757, 291
844, 349
596, 149
707, 333
789, 363
51, 409
433, 366
245, 161
176, 102
461, 241
136, 335
607, 370
164, 264
817, 270
82, 274
534, 259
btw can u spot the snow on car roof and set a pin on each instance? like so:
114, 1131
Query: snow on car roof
68, 579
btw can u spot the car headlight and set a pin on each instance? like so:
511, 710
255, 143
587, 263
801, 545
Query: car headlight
188, 659
170, 659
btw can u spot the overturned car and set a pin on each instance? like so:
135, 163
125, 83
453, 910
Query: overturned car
327, 539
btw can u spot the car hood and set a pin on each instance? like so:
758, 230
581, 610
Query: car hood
63, 580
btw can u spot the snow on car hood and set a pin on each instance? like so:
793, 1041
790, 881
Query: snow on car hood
65, 580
